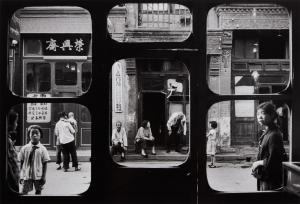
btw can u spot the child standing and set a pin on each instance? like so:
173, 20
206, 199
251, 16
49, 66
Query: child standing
211, 143
33, 157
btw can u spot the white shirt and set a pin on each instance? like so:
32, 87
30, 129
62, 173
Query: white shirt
64, 131
40, 156
173, 119
119, 136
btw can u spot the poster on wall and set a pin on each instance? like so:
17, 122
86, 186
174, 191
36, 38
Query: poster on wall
38, 112
117, 87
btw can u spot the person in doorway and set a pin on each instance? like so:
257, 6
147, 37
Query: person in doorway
145, 138
33, 157
65, 132
119, 140
13, 170
268, 167
212, 143
176, 126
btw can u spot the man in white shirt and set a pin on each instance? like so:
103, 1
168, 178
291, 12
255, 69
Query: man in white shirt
119, 140
176, 130
65, 133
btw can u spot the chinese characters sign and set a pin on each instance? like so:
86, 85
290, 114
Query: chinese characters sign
66, 44
117, 86
38, 112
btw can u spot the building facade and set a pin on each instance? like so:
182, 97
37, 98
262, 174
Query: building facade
50, 56
247, 53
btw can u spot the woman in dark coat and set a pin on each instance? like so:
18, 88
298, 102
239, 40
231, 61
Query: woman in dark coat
268, 167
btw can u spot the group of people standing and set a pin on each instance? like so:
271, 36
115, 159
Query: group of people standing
176, 127
65, 132
28, 168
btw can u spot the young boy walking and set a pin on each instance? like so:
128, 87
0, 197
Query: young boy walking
33, 157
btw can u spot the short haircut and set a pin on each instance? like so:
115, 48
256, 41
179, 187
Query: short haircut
144, 123
62, 114
37, 127
269, 108
213, 124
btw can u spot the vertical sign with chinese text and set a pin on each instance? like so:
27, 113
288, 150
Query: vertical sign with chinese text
38, 112
117, 86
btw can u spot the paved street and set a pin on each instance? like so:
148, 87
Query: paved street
226, 177
231, 177
67, 183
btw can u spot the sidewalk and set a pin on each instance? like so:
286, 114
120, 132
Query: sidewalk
237, 153
60, 183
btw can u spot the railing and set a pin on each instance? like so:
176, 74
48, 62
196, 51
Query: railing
261, 64
164, 16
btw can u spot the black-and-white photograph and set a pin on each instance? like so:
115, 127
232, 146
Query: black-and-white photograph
49, 149
184, 102
50, 52
150, 113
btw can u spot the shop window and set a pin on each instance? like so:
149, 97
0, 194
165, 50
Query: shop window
156, 22
162, 98
258, 54
86, 76
65, 73
21, 118
38, 77
58, 35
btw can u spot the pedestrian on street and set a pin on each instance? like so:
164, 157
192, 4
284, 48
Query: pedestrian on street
176, 126
145, 138
65, 132
119, 140
13, 170
268, 167
33, 157
212, 143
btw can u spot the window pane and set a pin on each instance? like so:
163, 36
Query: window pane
59, 36
65, 73
86, 76
149, 22
134, 93
21, 118
38, 77
252, 44
233, 145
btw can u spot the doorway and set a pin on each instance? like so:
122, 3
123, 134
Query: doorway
153, 109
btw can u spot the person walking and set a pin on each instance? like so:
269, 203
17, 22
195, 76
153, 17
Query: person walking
145, 138
65, 132
268, 167
212, 143
176, 126
33, 157
119, 140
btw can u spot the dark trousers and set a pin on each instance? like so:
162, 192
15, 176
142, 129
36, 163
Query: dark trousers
58, 154
143, 144
174, 138
117, 148
69, 149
